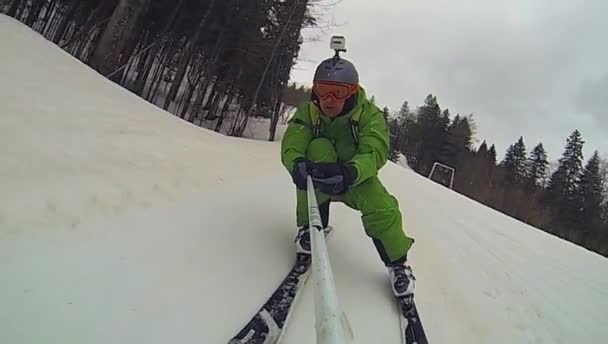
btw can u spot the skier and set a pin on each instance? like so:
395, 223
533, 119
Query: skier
341, 140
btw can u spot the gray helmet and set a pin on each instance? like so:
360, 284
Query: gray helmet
338, 70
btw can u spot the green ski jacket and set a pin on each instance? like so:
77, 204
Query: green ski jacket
360, 137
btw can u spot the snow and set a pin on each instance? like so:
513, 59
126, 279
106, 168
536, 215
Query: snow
121, 223
402, 161
258, 127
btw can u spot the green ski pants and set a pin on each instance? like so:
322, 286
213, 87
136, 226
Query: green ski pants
380, 213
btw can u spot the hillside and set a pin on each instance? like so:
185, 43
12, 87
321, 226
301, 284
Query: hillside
120, 223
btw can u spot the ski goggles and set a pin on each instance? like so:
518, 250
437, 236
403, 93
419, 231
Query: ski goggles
338, 91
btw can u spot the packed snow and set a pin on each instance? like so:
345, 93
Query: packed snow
121, 223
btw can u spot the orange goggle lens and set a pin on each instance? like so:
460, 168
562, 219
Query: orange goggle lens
338, 91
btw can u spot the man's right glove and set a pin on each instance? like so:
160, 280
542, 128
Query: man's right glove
300, 172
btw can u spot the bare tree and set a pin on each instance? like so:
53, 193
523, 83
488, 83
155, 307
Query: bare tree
234, 68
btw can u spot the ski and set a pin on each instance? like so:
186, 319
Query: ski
266, 326
412, 331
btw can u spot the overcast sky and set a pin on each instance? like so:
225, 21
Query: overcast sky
533, 68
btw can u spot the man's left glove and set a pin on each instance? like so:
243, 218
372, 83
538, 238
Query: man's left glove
332, 178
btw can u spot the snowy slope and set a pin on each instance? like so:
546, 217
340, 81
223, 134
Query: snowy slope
120, 223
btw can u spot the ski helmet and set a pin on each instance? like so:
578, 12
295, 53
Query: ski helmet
337, 69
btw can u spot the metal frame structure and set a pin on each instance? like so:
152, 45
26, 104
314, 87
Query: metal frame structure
446, 167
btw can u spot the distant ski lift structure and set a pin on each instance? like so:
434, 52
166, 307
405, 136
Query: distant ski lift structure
442, 174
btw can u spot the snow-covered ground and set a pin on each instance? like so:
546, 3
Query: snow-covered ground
120, 223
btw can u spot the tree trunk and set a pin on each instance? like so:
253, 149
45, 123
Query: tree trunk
165, 60
277, 96
56, 19
188, 109
225, 108
233, 128
186, 57
81, 46
188, 115
206, 72
158, 70
213, 111
32, 16
211, 99
142, 77
12, 11
206, 97
20, 9
192, 79
91, 44
275, 119
87, 28
117, 34
140, 69
126, 56
134, 63
187, 99
128, 52
48, 17
272, 54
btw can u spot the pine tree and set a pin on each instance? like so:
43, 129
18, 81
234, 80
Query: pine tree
394, 134
492, 154
457, 141
483, 149
589, 195
515, 163
467, 132
393, 154
472, 126
538, 166
604, 178
486, 162
565, 179
404, 111
455, 122
406, 122
407, 132
449, 149
432, 127
564, 183
445, 119
482, 169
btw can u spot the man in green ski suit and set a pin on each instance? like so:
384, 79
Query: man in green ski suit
341, 140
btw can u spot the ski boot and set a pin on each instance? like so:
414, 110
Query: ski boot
303, 241
402, 280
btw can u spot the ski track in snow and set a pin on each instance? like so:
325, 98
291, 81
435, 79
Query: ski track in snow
119, 223
516, 274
